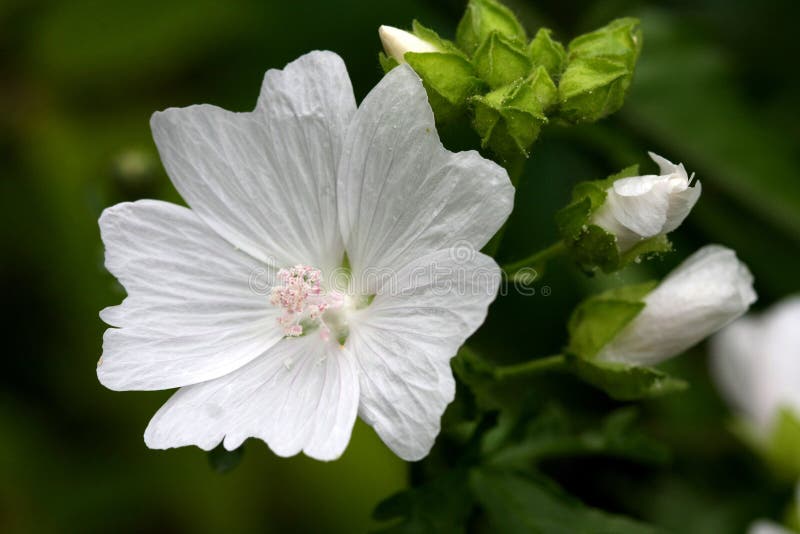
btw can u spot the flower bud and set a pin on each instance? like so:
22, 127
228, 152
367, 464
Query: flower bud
703, 294
481, 19
756, 364
397, 42
599, 71
641, 207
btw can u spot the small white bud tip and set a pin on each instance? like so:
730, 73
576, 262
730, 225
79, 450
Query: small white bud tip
397, 42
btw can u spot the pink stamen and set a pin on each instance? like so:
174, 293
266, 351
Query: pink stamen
302, 298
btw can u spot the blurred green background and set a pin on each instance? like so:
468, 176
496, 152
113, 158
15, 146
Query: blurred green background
716, 88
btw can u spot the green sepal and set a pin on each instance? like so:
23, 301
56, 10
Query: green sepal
509, 119
625, 382
619, 39
599, 71
598, 319
429, 35
481, 19
222, 460
387, 62
500, 61
548, 53
449, 79
783, 447
779, 446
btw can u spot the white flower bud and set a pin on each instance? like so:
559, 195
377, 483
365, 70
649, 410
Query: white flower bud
641, 207
397, 42
703, 294
756, 364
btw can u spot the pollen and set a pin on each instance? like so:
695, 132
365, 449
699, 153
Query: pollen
301, 296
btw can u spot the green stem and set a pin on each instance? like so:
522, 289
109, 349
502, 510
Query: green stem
549, 363
535, 259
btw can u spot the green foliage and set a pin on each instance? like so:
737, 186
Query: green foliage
223, 460
441, 505
524, 439
626, 382
516, 503
483, 18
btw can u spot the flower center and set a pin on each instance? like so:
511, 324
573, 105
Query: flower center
306, 305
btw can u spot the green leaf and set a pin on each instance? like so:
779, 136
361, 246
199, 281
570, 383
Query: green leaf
553, 433
500, 61
441, 505
626, 382
518, 504
223, 460
449, 80
483, 17
548, 53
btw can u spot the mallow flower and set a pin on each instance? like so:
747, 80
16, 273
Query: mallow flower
231, 299
756, 364
397, 42
641, 207
706, 292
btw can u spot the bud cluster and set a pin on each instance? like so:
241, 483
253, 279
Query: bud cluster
509, 86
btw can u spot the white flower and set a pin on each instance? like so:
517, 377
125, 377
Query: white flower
641, 207
707, 291
229, 300
762, 526
756, 364
397, 42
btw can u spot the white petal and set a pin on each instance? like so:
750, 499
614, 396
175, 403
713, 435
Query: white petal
266, 180
405, 339
640, 204
401, 193
762, 526
703, 294
196, 307
302, 395
665, 166
397, 42
737, 368
680, 204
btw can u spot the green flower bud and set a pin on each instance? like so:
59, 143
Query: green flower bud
550, 54
500, 61
509, 119
481, 19
599, 71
